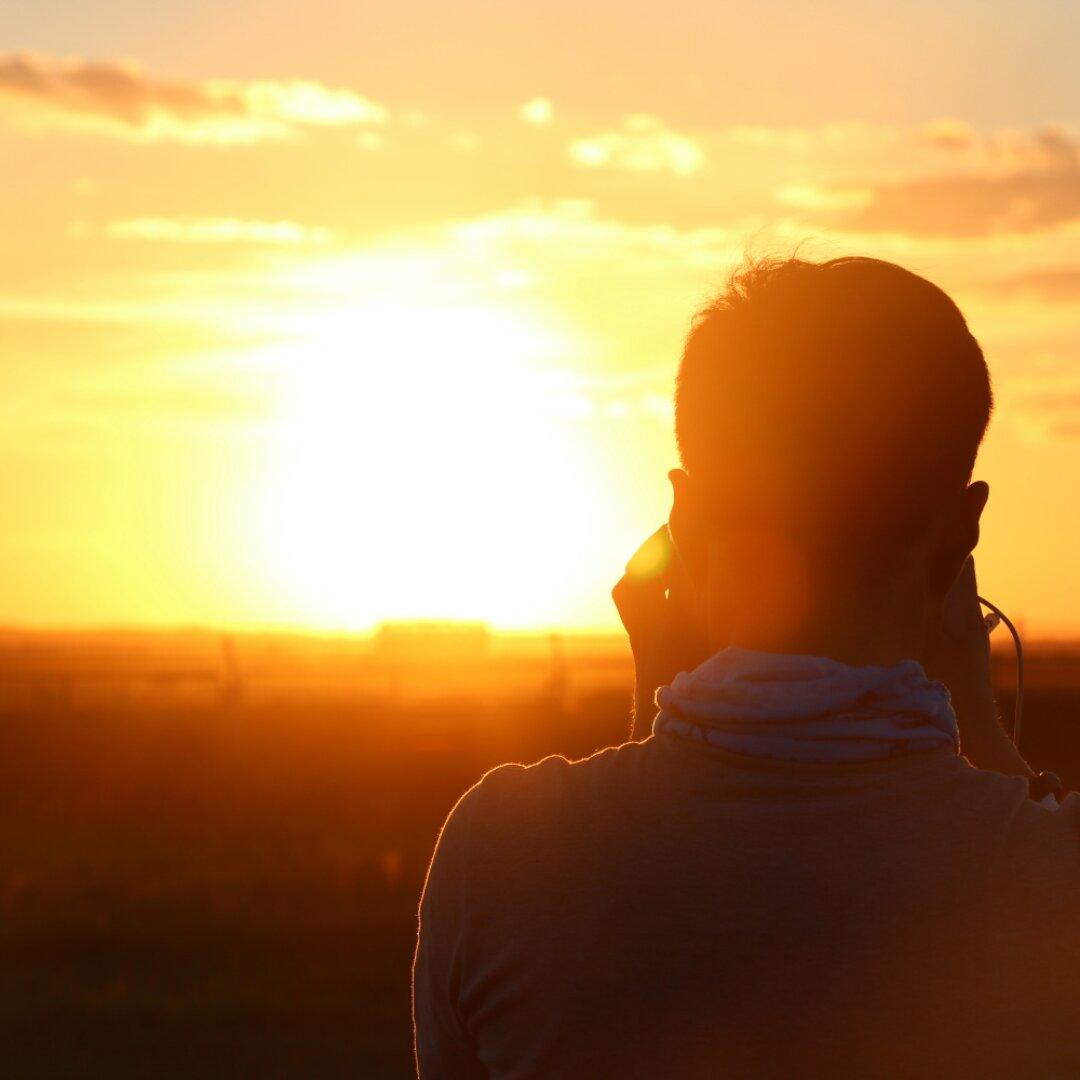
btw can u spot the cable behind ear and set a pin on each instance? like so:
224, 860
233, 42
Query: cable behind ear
998, 616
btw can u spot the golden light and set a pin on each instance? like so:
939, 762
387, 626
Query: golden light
430, 462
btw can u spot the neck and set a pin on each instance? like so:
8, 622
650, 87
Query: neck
854, 625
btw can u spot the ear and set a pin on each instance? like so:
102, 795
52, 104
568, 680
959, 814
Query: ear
685, 525
959, 534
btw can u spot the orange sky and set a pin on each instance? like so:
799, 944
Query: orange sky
325, 319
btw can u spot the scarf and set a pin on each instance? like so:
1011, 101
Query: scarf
807, 708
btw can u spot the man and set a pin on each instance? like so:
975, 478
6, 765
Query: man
797, 874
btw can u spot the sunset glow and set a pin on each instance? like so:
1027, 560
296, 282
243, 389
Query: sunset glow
291, 339
421, 451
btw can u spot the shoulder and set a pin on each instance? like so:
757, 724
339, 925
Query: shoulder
517, 803
558, 781
989, 795
1030, 836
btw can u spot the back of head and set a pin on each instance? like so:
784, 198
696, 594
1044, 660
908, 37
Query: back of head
839, 402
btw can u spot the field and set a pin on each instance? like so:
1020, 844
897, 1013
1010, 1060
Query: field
211, 847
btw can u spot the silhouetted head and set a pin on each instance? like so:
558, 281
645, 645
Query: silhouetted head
828, 416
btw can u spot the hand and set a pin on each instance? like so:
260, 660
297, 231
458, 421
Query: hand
655, 601
960, 657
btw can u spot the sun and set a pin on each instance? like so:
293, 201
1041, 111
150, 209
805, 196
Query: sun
429, 461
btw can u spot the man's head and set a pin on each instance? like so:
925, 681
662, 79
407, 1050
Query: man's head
828, 416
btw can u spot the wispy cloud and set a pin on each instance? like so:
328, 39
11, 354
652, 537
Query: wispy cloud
809, 196
1051, 146
805, 140
967, 205
943, 139
1056, 284
301, 102
125, 101
948, 133
1000, 182
642, 144
1045, 409
216, 231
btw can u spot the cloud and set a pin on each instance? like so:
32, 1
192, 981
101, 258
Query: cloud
899, 151
310, 103
1057, 284
643, 144
947, 133
807, 196
123, 100
215, 231
1046, 410
572, 231
969, 205
804, 140
1006, 182
536, 111
1051, 146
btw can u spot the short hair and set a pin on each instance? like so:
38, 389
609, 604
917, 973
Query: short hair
845, 398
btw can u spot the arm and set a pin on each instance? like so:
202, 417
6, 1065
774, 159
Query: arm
654, 602
960, 658
443, 1047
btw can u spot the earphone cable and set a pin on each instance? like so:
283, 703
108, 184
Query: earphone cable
1018, 709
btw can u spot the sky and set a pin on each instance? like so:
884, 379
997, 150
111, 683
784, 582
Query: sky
321, 315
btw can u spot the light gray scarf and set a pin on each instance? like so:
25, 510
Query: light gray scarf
807, 708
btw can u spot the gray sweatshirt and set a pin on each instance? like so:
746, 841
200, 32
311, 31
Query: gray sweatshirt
667, 909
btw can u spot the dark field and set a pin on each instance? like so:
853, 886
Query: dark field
211, 849
211, 852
